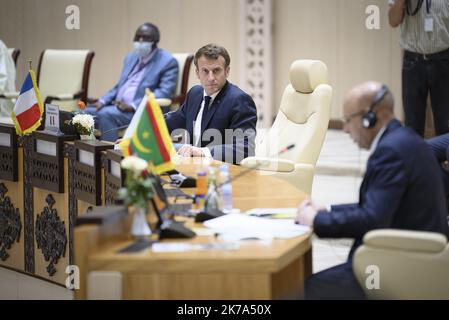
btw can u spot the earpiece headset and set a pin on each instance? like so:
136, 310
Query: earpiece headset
369, 119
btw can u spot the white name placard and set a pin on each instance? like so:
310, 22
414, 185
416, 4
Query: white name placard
46, 147
86, 157
116, 170
5, 139
52, 117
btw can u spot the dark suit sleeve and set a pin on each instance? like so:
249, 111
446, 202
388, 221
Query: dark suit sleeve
439, 146
386, 184
241, 133
344, 207
177, 119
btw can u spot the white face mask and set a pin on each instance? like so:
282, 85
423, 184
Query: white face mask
143, 48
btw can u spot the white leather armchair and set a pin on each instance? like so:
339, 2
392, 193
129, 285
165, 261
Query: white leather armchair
184, 63
63, 76
302, 120
15, 53
411, 264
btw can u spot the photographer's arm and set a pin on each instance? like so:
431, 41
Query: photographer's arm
396, 13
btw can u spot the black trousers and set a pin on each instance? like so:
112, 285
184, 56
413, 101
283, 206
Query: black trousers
337, 283
423, 75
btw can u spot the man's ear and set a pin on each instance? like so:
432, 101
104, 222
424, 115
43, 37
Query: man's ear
197, 73
228, 69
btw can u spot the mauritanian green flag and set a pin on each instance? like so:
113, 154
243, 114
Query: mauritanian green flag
148, 137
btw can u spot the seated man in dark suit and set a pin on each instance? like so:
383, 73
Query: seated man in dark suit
220, 119
146, 67
401, 188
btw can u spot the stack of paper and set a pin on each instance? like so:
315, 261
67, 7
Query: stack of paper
184, 246
233, 227
274, 213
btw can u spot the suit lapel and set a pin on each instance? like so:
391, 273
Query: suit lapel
195, 108
130, 68
391, 126
148, 67
207, 116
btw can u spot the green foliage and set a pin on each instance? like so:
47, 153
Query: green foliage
138, 190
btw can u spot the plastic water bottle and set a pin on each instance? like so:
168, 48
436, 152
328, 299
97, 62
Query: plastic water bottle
225, 189
201, 188
212, 201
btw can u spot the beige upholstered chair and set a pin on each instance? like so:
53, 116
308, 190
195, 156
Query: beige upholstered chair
184, 63
411, 264
63, 76
302, 120
15, 53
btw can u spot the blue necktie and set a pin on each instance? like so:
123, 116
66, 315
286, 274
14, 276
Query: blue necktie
206, 108
207, 102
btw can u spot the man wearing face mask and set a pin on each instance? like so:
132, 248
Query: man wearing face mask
146, 67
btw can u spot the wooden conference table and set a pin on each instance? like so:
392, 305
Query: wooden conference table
257, 270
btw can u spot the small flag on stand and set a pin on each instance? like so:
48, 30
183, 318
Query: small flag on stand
148, 138
28, 110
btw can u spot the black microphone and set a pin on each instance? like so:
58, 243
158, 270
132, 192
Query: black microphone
116, 128
208, 213
259, 164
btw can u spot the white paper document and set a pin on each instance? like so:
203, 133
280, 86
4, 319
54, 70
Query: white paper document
275, 213
184, 246
232, 227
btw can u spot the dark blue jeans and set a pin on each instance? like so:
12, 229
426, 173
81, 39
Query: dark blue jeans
336, 283
421, 77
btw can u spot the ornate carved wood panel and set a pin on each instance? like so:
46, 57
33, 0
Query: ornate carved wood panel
27, 144
87, 178
10, 223
112, 182
8, 155
70, 154
51, 235
256, 56
47, 170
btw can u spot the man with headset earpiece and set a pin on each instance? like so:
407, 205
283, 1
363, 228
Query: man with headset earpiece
401, 188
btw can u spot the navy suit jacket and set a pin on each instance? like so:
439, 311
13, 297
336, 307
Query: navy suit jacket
402, 189
161, 76
440, 149
231, 113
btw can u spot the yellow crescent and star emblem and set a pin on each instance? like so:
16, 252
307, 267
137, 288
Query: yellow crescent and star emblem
138, 144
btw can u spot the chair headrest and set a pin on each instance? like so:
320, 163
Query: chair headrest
306, 75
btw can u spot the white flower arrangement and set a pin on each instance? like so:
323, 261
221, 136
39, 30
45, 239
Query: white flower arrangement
84, 123
135, 165
138, 189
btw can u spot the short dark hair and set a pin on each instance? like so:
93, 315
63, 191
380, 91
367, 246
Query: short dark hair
212, 51
154, 31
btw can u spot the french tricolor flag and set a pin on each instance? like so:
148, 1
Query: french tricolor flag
28, 110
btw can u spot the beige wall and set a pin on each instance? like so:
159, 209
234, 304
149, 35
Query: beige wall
331, 30
334, 31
